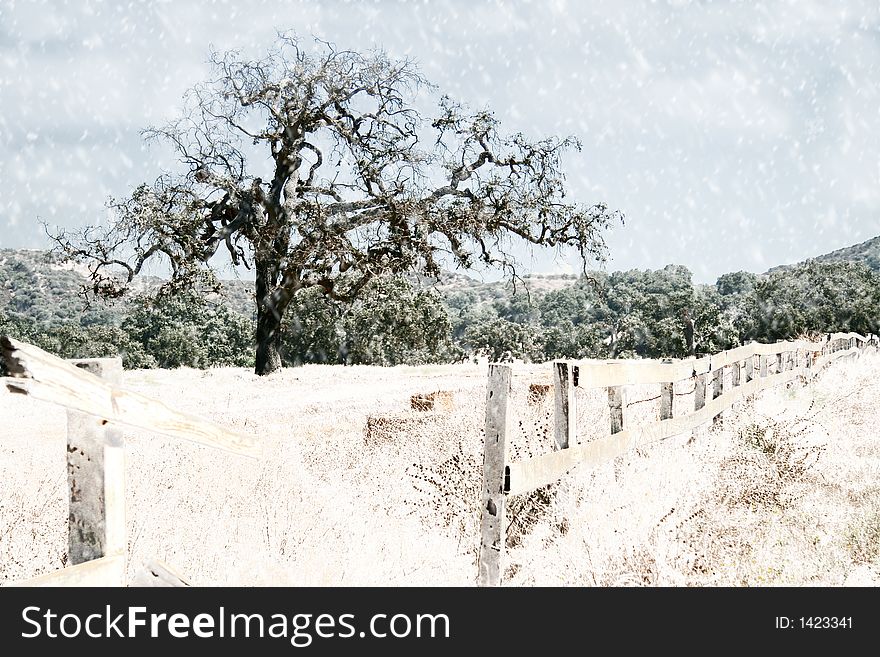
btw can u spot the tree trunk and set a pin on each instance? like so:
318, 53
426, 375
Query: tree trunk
268, 342
269, 315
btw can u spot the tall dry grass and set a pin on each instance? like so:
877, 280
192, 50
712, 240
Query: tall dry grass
783, 491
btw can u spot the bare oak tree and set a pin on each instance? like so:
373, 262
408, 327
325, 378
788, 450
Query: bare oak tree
314, 167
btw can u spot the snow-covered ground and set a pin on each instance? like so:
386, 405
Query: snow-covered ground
333, 504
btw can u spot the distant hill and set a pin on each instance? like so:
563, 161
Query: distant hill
38, 285
867, 252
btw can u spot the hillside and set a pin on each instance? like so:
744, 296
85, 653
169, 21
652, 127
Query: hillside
867, 252
37, 285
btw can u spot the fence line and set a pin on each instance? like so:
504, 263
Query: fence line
792, 360
97, 405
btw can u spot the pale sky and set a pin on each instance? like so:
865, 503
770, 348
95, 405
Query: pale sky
734, 135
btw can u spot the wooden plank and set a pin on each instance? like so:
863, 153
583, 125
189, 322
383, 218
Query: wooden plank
156, 573
605, 374
492, 523
47, 378
538, 471
106, 571
608, 373
565, 414
847, 336
95, 476
827, 359
616, 405
667, 395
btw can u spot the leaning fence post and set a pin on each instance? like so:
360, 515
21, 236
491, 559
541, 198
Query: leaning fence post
564, 382
95, 477
492, 523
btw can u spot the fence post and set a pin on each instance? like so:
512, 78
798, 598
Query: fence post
616, 404
717, 383
762, 364
750, 368
492, 524
564, 382
666, 398
735, 374
95, 477
699, 392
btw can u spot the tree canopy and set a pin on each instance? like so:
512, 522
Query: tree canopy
315, 167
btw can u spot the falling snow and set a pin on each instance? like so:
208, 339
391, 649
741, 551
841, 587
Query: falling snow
732, 136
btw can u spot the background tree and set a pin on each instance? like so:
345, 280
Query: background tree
574, 319
396, 323
186, 330
393, 322
818, 297
497, 337
645, 311
316, 168
739, 306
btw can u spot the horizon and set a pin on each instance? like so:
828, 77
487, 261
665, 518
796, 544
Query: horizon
474, 275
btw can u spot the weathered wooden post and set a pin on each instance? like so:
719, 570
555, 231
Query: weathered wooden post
492, 525
616, 404
718, 383
564, 381
96, 476
717, 390
667, 395
750, 368
762, 365
735, 374
699, 391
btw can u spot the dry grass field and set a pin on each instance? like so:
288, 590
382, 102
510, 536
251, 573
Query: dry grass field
785, 490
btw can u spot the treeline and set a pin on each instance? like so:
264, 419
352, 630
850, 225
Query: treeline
164, 331
619, 315
644, 313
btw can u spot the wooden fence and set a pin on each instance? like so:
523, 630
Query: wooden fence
97, 405
750, 372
